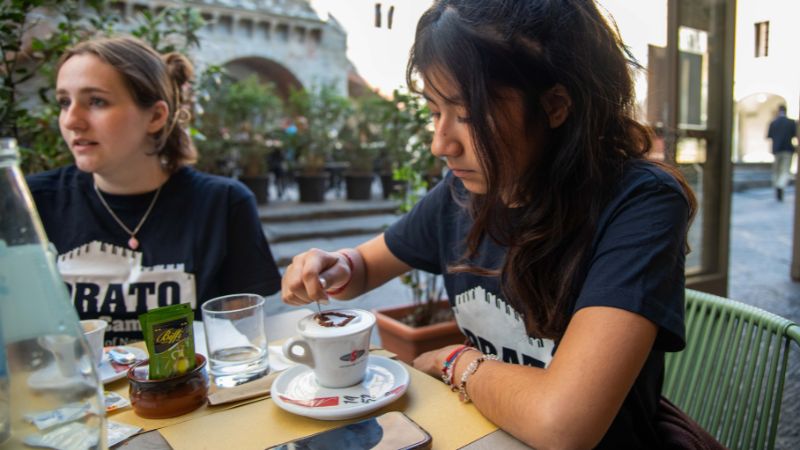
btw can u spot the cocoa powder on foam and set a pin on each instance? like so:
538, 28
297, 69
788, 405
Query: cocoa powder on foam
324, 319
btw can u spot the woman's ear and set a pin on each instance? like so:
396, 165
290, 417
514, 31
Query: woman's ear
158, 119
556, 103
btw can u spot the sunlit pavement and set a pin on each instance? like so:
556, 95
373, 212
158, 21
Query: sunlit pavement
760, 263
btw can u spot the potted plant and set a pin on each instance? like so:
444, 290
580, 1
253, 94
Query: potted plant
257, 108
251, 155
318, 115
406, 136
358, 141
428, 322
238, 118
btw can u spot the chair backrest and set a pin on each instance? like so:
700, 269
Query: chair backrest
730, 377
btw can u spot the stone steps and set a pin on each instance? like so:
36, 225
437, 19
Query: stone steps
292, 211
283, 252
278, 232
751, 176
293, 227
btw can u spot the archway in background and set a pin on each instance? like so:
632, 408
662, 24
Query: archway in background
754, 113
267, 70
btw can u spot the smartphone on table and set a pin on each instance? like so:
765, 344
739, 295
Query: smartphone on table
389, 431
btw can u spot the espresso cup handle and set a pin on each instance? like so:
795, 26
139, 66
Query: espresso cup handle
288, 351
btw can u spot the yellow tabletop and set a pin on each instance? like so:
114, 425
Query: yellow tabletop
259, 423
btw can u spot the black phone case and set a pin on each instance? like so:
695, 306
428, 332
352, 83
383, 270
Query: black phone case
389, 431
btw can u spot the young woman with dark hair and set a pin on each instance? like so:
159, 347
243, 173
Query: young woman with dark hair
135, 227
562, 246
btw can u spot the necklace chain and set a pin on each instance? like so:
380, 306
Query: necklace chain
132, 242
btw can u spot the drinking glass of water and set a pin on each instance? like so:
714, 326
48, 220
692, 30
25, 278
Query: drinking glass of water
236, 338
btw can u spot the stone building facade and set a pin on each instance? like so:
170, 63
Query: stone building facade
282, 41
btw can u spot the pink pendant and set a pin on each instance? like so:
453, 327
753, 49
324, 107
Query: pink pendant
133, 243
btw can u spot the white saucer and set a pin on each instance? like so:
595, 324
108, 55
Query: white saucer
109, 371
296, 390
49, 377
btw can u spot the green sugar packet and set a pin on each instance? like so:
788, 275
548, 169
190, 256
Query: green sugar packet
169, 337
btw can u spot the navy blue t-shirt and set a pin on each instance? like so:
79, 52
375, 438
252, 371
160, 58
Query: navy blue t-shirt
202, 239
636, 263
781, 130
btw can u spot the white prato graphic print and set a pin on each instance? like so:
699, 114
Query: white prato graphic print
114, 276
495, 327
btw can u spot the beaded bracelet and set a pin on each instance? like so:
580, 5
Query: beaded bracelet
452, 373
341, 288
471, 369
450, 362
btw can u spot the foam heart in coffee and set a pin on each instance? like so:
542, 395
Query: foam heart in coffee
333, 319
340, 322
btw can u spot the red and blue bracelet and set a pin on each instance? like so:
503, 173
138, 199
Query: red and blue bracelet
449, 364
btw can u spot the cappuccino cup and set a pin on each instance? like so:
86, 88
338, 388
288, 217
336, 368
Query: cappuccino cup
335, 346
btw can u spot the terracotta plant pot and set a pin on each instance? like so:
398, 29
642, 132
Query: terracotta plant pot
409, 342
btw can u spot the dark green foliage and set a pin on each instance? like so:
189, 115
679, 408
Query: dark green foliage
239, 120
320, 114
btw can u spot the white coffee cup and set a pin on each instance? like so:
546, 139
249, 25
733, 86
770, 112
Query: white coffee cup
94, 330
338, 354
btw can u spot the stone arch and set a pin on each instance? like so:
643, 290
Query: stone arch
267, 70
754, 113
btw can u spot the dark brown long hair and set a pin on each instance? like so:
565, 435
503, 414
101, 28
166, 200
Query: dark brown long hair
150, 77
489, 46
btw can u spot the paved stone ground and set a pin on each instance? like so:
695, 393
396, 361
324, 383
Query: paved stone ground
760, 262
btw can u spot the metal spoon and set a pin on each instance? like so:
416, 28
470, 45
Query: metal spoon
324, 284
121, 356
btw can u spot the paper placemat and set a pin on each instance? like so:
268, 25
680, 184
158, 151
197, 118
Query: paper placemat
254, 389
260, 424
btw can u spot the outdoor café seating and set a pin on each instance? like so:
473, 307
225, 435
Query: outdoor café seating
730, 377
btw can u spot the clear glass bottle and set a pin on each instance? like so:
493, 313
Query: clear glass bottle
54, 398
5, 425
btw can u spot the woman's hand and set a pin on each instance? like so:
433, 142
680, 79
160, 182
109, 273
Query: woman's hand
312, 273
431, 362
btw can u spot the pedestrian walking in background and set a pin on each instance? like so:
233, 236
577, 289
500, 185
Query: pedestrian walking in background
782, 130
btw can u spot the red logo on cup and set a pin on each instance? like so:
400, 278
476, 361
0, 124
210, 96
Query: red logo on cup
352, 356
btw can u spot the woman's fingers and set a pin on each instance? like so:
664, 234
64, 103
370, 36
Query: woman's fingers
309, 275
293, 289
291, 299
311, 285
289, 286
335, 276
426, 362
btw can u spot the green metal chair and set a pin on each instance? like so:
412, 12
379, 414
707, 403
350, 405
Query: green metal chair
730, 377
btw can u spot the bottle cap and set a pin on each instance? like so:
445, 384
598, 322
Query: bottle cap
8, 148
